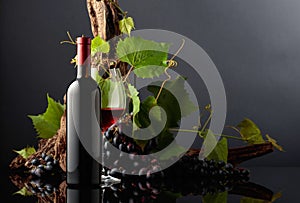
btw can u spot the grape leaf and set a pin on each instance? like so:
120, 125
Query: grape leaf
142, 117
141, 53
274, 143
216, 198
126, 25
220, 152
209, 143
250, 132
134, 94
26, 152
24, 192
99, 45
48, 123
149, 71
170, 103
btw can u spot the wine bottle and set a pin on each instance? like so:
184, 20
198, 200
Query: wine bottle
83, 123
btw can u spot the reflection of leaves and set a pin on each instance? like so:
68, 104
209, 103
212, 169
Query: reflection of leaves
250, 132
220, 152
216, 198
167, 196
26, 152
48, 123
126, 25
141, 53
23, 192
253, 200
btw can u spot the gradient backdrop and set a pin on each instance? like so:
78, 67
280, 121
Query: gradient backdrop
255, 45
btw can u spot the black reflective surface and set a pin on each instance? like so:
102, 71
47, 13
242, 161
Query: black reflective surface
283, 180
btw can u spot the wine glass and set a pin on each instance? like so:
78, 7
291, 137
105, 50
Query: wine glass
114, 104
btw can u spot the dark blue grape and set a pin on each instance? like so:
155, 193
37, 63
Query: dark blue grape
48, 167
48, 158
35, 162
41, 166
38, 172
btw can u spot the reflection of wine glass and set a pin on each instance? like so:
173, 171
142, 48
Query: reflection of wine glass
113, 108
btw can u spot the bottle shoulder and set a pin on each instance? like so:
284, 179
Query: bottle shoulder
83, 83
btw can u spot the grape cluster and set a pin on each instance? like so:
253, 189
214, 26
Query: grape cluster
116, 136
119, 140
189, 175
40, 188
44, 166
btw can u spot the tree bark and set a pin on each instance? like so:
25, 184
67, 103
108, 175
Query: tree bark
104, 17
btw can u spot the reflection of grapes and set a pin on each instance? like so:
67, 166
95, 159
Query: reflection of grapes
40, 188
191, 175
133, 191
188, 176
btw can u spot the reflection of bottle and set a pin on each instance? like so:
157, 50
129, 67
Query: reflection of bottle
83, 128
83, 195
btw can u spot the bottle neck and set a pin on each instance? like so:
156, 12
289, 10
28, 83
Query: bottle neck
83, 57
83, 71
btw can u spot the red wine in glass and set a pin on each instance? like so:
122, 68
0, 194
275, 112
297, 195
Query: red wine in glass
109, 116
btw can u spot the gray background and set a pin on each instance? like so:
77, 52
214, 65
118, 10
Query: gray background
255, 45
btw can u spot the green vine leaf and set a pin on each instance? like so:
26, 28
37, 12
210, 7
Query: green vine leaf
142, 117
24, 192
141, 53
26, 152
149, 71
48, 123
216, 198
209, 143
126, 25
250, 132
99, 45
274, 143
134, 94
170, 104
220, 152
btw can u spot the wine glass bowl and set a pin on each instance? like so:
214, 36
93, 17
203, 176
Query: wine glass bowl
114, 107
